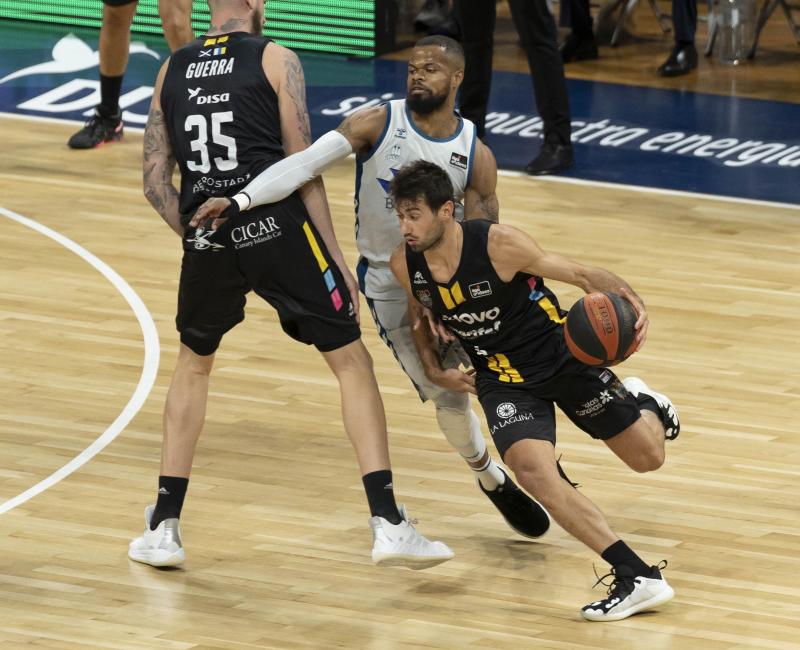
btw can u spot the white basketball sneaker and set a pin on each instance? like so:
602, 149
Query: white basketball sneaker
669, 414
159, 547
629, 594
402, 545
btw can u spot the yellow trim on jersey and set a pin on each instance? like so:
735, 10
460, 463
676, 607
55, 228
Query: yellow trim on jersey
551, 310
457, 295
447, 299
312, 241
453, 296
500, 364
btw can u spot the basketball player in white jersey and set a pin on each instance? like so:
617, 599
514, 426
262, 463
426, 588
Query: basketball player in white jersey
384, 138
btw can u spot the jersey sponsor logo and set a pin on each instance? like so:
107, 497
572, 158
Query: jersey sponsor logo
211, 185
255, 232
506, 410
606, 376
212, 68
194, 94
400, 133
201, 240
512, 418
480, 289
472, 318
458, 160
595, 406
394, 153
424, 296
419, 279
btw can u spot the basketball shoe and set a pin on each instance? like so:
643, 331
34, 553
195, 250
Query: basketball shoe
669, 414
159, 547
522, 513
402, 545
629, 594
99, 129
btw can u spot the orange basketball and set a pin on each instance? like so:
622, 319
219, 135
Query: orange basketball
599, 330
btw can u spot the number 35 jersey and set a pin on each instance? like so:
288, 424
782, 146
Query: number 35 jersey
512, 331
222, 116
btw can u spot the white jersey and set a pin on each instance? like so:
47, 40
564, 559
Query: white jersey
377, 226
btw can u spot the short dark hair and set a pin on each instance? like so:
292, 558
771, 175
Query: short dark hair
422, 180
451, 47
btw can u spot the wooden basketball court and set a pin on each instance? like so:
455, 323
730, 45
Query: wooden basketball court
275, 522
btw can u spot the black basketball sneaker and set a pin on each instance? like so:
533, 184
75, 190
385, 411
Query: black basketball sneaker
669, 414
629, 594
99, 129
522, 513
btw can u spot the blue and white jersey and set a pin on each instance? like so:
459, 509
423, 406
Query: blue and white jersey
377, 226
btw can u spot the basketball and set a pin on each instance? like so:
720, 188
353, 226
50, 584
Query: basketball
599, 330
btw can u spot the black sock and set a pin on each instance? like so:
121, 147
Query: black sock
110, 89
171, 492
380, 495
620, 553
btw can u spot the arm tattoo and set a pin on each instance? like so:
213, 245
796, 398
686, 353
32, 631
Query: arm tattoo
296, 87
158, 165
345, 128
490, 207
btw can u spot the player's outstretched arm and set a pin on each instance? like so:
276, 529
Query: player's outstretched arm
158, 161
356, 133
480, 196
425, 331
512, 250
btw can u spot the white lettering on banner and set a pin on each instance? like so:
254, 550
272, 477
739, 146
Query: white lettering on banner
352, 104
51, 101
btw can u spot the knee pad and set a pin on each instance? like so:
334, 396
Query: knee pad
200, 343
462, 429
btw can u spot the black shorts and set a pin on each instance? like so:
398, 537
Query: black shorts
274, 250
593, 398
118, 3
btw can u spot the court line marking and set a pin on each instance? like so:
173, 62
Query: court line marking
149, 367
517, 174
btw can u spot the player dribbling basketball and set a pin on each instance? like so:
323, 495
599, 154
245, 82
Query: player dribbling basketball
485, 282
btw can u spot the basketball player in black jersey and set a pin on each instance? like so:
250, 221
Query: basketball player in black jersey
484, 281
225, 107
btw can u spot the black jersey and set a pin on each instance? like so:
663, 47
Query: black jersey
222, 116
512, 331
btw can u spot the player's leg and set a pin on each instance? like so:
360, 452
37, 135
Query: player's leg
396, 541
176, 19
523, 428
641, 446
211, 300
106, 123
636, 586
456, 419
313, 305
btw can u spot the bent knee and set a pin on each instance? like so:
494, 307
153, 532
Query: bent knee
647, 461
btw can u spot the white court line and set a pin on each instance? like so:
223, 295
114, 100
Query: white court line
149, 368
516, 174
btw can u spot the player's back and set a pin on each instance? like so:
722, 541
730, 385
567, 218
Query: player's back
222, 116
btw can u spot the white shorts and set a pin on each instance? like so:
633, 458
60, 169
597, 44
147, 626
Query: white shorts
391, 316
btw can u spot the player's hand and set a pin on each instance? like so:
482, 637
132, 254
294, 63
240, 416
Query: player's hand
211, 209
457, 380
437, 328
352, 288
642, 320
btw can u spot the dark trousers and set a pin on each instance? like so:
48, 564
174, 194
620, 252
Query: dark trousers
577, 15
684, 20
537, 31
